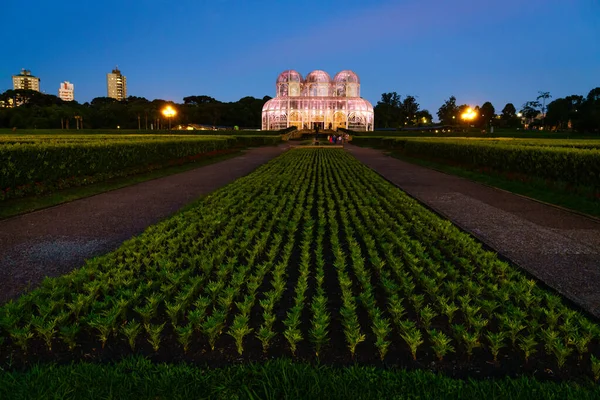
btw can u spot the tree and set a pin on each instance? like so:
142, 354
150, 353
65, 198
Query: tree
487, 114
589, 112
530, 110
543, 96
409, 109
563, 110
448, 112
424, 117
387, 111
509, 111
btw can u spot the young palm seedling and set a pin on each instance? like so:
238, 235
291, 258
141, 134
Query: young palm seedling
131, 330
184, 335
528, 345
471, 341
561, 353
154, 333
238, 330
413, 339
381, 329
496, 343
595, 367
68, 334
441, 344
21, 336
427, 314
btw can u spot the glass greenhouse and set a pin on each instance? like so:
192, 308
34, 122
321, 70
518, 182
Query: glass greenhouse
319, 101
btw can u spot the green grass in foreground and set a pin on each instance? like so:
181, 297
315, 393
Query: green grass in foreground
535, 189
139, 378
10, 208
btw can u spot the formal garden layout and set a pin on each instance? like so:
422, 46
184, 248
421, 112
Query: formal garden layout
312, 258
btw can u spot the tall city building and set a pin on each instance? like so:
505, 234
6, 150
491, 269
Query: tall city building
116, 84
66, 91
26, 81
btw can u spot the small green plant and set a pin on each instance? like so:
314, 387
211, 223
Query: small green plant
471, 341
265, 335
238, 330
154, 335
173, 311
595, 367
68, 334
496, 343
21, 336
413, 339
441, 344
449, 309
528, 344
561, 353
427, 314
184, 335
381, 329
293, 336
104, 327
213, 326
131, 330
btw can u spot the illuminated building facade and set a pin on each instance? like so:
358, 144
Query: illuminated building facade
26, 81
116, 85
66, 91
318, 101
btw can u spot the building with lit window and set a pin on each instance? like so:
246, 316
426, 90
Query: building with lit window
26, 81
116, 84
66, 91
318, 100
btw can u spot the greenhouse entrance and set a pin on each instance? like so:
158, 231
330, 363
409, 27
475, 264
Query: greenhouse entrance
320, 125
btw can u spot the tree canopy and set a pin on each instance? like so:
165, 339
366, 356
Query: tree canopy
39, 110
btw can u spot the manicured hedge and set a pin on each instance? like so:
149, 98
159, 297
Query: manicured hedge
42, 162
575, 165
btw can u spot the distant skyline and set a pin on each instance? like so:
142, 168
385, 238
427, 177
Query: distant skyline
498, 51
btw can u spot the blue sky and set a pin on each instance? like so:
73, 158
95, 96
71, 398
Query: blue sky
498, 51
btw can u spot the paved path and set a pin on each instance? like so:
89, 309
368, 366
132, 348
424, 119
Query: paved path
559, 247
56, 240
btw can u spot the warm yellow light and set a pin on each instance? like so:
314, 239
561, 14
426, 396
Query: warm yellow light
469, 114
169, 112
424, 120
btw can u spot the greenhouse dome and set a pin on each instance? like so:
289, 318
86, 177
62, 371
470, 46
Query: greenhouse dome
318, 101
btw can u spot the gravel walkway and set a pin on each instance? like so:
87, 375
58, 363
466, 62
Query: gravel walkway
56, 240
561, 248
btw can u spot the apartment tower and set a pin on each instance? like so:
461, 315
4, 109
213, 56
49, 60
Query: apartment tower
26, 81
117, 85
66, 91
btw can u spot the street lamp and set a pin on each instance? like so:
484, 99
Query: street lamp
468, 115
169, 112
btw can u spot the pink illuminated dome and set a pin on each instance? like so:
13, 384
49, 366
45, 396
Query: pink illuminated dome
346, 76
318, 76
289, 76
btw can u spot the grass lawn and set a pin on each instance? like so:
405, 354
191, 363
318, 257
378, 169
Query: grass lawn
139, 378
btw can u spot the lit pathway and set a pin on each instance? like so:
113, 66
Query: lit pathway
559, 247
56, 240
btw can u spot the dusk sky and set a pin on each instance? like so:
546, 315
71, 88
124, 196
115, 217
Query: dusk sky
498, 51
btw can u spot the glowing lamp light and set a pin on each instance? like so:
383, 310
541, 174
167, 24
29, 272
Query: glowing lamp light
469, 115
169, 112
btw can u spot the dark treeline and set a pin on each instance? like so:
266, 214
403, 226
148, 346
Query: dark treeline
575, 112
43, 111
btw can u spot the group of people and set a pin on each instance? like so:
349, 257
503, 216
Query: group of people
337, 139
